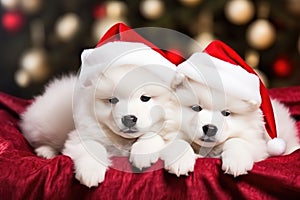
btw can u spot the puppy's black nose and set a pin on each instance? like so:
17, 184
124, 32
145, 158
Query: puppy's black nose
210, 130
129, 120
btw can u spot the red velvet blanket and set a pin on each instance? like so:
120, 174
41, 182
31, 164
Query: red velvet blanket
23, 175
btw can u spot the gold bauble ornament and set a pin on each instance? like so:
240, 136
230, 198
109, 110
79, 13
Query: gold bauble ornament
22, 78
294, 7
204, 39
115, 9
252, 58
34, 62
239, 12
67, 26
261, 34
9, 4
152, 9
31, 6
102, 25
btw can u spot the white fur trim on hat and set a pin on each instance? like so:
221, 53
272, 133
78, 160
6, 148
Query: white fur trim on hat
119, 53
215, 73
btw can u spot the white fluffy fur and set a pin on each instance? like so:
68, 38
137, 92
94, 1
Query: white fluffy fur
48, 120
92, 130
99, 133
286, 127
241, 138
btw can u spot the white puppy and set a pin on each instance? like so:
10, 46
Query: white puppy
222, 115
120, 103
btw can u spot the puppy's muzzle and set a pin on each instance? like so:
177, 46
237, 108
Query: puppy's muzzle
129, 121
209, 130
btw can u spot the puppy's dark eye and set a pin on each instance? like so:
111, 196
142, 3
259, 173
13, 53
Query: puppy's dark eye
196, 108
226, 113
145, 98
113, 100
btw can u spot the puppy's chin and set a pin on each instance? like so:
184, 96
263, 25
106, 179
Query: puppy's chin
128, 134
206, 143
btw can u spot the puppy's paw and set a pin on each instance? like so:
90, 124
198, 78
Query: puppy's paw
141, 161
183, 164
90, 172
46, 152
236, 163
140, 156
146, 150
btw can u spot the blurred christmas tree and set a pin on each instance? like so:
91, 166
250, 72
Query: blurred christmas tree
41, 39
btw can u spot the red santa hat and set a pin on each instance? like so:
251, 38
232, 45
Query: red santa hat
121, 53
121, 32
122, 45
222, 52
222, 76
233, 80
218, 49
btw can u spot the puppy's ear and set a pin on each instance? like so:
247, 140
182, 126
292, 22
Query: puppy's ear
244, 106
86, 72
253, 105
84, 56
178, 80
90, 79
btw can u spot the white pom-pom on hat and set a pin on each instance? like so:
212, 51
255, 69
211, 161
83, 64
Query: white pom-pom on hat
276, 146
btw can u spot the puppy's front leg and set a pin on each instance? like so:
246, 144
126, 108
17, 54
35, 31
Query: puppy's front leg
179, 157
90, 159
145, 151
236, 157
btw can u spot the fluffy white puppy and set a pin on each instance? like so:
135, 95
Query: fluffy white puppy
222, 116
120, 103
